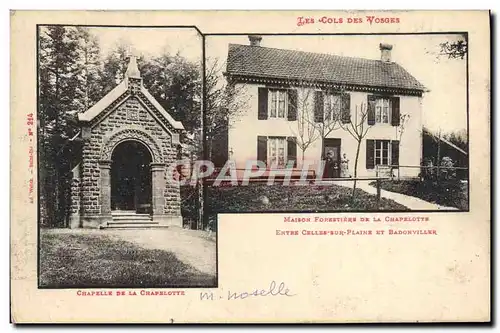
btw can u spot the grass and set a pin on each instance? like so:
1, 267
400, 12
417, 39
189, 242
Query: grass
318, 198
451, 193
93, 260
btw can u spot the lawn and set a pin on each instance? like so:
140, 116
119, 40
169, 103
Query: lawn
451, 193
312, 198
96, 260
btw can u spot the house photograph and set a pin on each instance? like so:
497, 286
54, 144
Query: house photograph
356, 105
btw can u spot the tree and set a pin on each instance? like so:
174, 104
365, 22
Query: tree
114, 66
404, 118
176, 84
304, 129
336, 110
224, 103
89, 62
358, 130
454, 50
331, 121
58, 95
458, 138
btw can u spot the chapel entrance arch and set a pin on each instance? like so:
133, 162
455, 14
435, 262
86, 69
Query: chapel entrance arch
131, 179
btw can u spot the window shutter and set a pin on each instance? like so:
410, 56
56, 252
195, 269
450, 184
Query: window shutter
263, 102
319, 106
292, 150
292, 105
370, 154
371, 109
346, 108
395, 111
262, 148
395, 152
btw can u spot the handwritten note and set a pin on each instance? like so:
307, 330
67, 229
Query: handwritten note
274, 290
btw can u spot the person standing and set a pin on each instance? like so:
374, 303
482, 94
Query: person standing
329, 171
344, 167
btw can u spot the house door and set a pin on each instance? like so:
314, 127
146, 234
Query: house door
131, 187
331, 156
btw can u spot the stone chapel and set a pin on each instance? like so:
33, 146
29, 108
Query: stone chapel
129, 142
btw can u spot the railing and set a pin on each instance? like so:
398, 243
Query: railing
380, 169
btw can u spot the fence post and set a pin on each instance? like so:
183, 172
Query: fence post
378, 192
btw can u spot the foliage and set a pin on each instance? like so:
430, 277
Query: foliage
450, 193
454, 50
190, 206
176, 84
431, 146
61, 93
224, 104
458, 138
113, 67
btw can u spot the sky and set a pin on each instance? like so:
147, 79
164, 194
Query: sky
444, 107
152, 41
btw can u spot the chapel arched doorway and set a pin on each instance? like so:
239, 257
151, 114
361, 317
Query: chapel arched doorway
131, 185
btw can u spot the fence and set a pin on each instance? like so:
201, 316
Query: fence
436, 172
310, 177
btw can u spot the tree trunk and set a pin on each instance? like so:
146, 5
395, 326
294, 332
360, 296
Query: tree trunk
199, 190
438, 162
356, 169
57, 208
209, 139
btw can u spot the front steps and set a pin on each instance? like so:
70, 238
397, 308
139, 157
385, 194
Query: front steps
131, 220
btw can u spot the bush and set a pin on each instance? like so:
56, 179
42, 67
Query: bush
190, 206
451, 192
430, 172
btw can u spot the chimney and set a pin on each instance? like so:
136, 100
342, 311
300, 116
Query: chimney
255, 40
385, 52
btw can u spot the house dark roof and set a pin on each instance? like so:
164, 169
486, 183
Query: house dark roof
265, 62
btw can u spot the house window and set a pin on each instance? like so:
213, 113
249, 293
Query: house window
277, 103
383, 111
332, 106
382, 152
277, 153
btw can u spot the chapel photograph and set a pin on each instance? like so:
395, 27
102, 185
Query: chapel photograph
338, 123
118, 107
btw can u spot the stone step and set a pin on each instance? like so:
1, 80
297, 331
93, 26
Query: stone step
138, 217
134, 225
126, 212
132, 221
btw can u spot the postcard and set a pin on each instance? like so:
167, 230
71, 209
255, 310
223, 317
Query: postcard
250, 167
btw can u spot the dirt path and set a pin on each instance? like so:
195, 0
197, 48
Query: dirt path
193, 247
190, 246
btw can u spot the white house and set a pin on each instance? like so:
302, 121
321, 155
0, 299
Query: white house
293, 96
